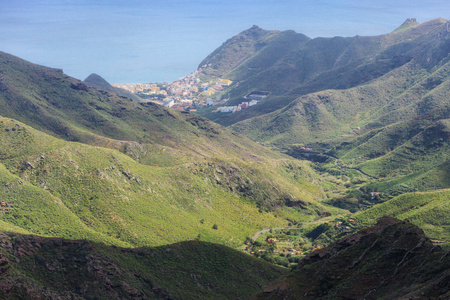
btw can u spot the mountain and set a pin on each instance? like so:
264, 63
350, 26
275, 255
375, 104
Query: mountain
392, 260
378, 104
50, 268
236, 50
102, 196
55, 103
291, 65
80, 163
96, 81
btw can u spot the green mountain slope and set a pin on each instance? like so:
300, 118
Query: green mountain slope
139, 174
326, 63
35, 267
428, 210
72, 190
410, 90
50, 101
393, 127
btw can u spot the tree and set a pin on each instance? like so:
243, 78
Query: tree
215, 226
248, 241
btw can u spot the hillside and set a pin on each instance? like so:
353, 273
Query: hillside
236, 50
50, 101
96, 81
33, 267
122, 199
291, 65
394, 126
392, 260
134, 167
427, 210
411, 67
72, 190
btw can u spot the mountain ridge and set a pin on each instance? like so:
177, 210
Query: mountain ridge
340, 63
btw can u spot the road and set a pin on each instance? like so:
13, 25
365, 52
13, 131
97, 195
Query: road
260, 232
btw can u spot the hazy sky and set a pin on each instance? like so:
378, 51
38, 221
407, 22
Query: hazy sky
140, 41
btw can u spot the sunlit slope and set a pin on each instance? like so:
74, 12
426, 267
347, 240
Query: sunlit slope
428, 210
58, 188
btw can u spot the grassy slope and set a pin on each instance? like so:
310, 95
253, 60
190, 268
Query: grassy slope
393, 126
409, 155
51, 268
72, 190
399, 95
428, 210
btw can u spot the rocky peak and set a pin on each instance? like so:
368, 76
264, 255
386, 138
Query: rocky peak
410, 22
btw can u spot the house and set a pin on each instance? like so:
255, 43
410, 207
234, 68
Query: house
256, 95
224, 82
217, 87
225, 109
208, 92
253, 102
169, 103
271, 240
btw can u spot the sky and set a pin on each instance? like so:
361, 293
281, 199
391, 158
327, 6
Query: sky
141, 41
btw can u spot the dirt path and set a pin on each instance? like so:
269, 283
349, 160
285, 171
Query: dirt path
360, 193
259, 233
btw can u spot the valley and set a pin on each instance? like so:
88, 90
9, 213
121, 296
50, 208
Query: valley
313, 189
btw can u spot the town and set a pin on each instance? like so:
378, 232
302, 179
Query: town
193, 92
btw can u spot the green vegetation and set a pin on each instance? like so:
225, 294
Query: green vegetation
155, 175
81, 161
428, 210
389, 128
290, 65
392, 260
72, 190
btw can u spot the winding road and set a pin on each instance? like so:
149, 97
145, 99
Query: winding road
260, 232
